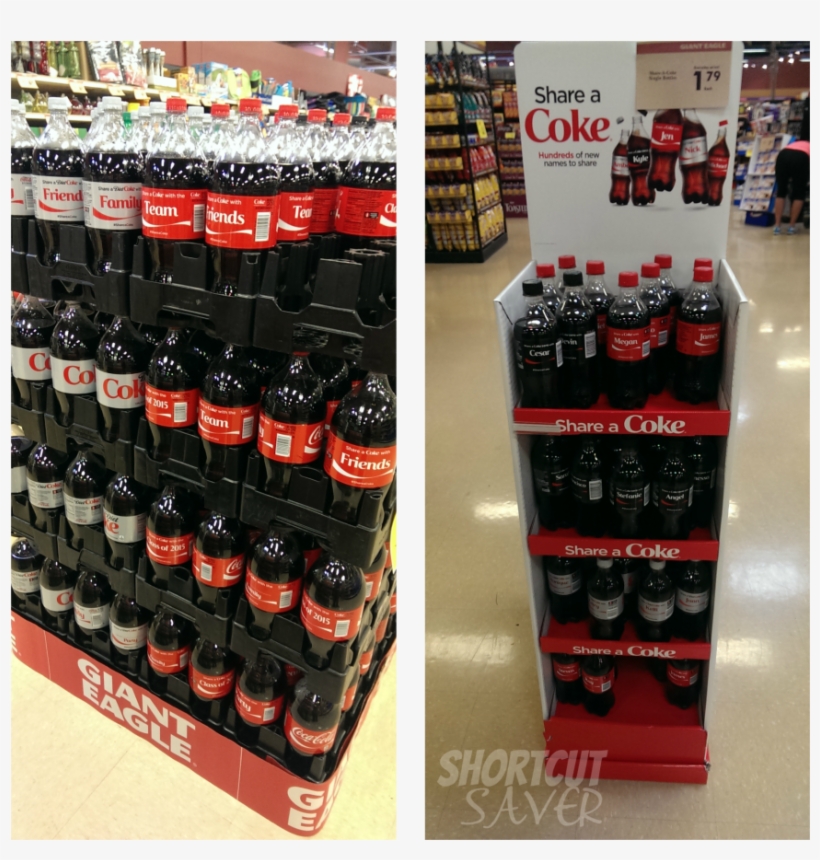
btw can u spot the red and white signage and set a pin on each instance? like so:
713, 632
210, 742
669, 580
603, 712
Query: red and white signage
271, 596
330, 624
227, 425
74, 376
289, 443
306, 740
257, 712
169, 550
120, 390
48, 495
31, 364
295, 213
245, 222
357, 466
171, 408
168, 662
176, 214
324, 210
112, 205
124, 529
210, 686
698, 340
365, 212
568, 543
218, 572
598, 683
58, 198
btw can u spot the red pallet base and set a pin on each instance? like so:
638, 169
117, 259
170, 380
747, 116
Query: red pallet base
567, 542
640, 771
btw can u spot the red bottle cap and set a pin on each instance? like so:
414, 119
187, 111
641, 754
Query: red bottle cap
317, 115
221, 110
703, 274
545, 270
664, 260
566, 261
386, 114
628, 279
341, 118
703, 261
250, 105
288, 112
595, 267
176, 105
723, 122
650, 270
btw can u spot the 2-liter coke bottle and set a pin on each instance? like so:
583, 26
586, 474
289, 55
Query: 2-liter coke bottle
128, 626
693, 587
538, 350
26, 562
83, 489
657, 304
45, 472
74, 344
566, 589
219, 555
697, 344
22, 148
628, 346
619, 190
682, 682
273, 575
553, 489
57, 588
259, 695
170, 638
577, 329
125, 505
92, 603
311, 724
169, 532
638, 155
324, 150
656, 603
703, 458
31, 329
693, 157
598, 675
21, 448
629, 493
605, 596
211, 675
334, 374
587, 478
296, 180
566, 671
667, 130
717, 166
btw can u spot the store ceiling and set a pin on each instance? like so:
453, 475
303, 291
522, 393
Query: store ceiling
378, 57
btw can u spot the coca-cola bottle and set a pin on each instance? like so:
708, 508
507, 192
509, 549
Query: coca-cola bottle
619, 190
45, 472
702, 455
638, 156
22, 146
31, 328
242, 199
545, 272
672, 493
682, 682
366, 207
597, 294
125, 504
170, 638
717, 166
628, 346
598, 675
673, 294
577, 329
57, 588
566, 671
538, 350
657, 304
360, 454
259, 696
122, 358
291, 423
57, 177
692, 589
697, 344
343, 141
211, 675
273, 576
656, 603
203, 346
605, 596
228, 407
565, 585
350, 693
92, 603
629, 570
587, 478
128, 625
169, 531
332, 603
83, 489
297, 180
112, 186
323, 148
26, 562
553, 490
219, 134
667, 129
311, 723
628, 493
693, 157
173, 193
219, 555
566, 263
74, 343
21, 449
334, 374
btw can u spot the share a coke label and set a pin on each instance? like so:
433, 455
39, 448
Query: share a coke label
25, 582
682, 677
638, 159
91, 617
308, 741
124, 529
655, 612
658, 332
564, 584
691, 603
698, 339
598, 683
168, 662
218, 572
74, 376
57, 600
58, 198
22, 194
606, 610
324, 210
246, 222
330, 624
717, 166
693, 151
210, 686
18, 479
83, 512
256, 712
289, 443
620, 165
169, 550
566, 671
372, 584
173, 213
295, 213
666, 137
365, 212
120, 390
112, 205
171, 408
631, 344
47, 495
271, 596
357, 466
227, 425
128, 638
365, 662
31, 364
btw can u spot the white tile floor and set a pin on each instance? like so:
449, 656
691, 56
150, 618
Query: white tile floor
481, 681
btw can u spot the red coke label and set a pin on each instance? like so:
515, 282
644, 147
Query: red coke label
365, 212
169, 550
227, 425
256, 712
357, 466
682, 677
238, 221
330, 624
372, 584
176, 214
168, 662
658, 332
631, 344
218, 572
598, 683
696, 339
171, 408
324, 210
210, 686
22, 194
295, 213
310, 556
666, 137
718, 166
58, 198
289, 443
566, 671
112, 205
601, 320
292, 674
271, 596
308, 741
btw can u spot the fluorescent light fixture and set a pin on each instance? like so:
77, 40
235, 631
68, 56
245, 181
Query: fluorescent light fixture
755, 50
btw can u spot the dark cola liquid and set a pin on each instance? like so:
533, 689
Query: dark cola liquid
683, 682
553, 490
170, 172
372, 175
601, 303
125, 504
628, 381
697, 376
171, 516
83, 489
21, 448
598, 673
692, 593
587, 478
92, 604
605, 594
577, 328
629, 570
261, 687
216, 664
565, 583
55, 162
327, 176
537, 357
702, 456
169, 648
26, 562
566, 670
656, 598
628, 494
276, 559
57, 588
30, 331
315, 717
221, 542
45, 472
672, 494
74, 340
334, 374
658, 306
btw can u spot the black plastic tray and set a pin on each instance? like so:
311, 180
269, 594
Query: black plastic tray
19, 241
86, 546
22, 523
32, 421
98, 644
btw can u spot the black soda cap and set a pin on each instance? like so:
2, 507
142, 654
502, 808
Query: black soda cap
573, 278
532, 287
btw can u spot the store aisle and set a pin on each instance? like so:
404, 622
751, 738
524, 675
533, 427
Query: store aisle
481, 685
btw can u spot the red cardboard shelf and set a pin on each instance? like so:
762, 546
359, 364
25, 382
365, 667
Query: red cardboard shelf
574, 638
662, 415
701, 546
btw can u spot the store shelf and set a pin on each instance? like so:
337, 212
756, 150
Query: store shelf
701, 546
478, 256
43, 117
75, 85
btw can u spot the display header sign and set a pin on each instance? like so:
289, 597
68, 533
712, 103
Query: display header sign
682, 75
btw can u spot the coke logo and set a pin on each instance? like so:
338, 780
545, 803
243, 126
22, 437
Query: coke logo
260, 201
638, 550
133, 202
111, 388
65, 597
638, 651
236, 565
39, 361
390, 209
225, 217
214, 422
112, 525
63, 195
162, 211
311, 739
634, 424
81, 377
316, 435
561, 129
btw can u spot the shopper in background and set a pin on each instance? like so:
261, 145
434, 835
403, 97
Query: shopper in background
792, 165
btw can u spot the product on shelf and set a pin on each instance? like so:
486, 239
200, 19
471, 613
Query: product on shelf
538, 350
693, 586
296, 179
698, 341
657, 304
577, 329
31, 329
22, 147
83, 488
20, 450
683, 682
26, 563
169, 532
74, 344
45, 476
125, 506
553, 489
569, 686
605, 594
57, 588
598, 675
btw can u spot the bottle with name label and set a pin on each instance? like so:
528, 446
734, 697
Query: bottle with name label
74, 343
57, 588
692, 589
57, 178
657, 304
673, 294
128, 625
333, 599
629, 489
326, 170
628, 346
587, 478
22, 147
31, 328
598, 675
374, 575
629, 569
565, 584
259, 696
673, 492
605, 595
311, 724
667, 128
718, 161
619, 172
125, 505
597, 294
219, 556
26, 562
553, 488
273, 577
693, 158
683, 682
211, 675
638, 156
291, 423
697, 343
566, 671
656, 603
170, 638
703, 458
550, 294
538, 351
296, 181
577, 329
92, 604
169, 532
334, 374
21, 449
83, 489
45, 473
343, 141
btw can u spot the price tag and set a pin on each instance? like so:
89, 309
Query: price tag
482, 131
140, 95
77, 87
682, 75
116, 91
26, 82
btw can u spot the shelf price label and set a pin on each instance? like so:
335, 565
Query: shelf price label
682, 75
116, 91
140, 95
26, 82
77, 87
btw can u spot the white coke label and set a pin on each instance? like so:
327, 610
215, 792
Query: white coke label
693, 151
27, 582
18, 479
129, 638
58, 198
112, 205
45, 495
124, 529
688, 601
655, 612
91, 617
73, 376
606, 610
22, 194
620, 165
83, 512
57, 601
564, 585
31, 364
120, 390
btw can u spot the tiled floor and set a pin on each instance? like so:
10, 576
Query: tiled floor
481, 682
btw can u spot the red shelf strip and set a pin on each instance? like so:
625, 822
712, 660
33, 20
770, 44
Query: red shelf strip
701, 546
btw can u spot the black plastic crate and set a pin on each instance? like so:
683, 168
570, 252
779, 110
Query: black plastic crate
189, 300
32, 610
32, 421
71, 277
305, 506
19, 242
177, 691
98, 644
86, 547
184, 466
22, 523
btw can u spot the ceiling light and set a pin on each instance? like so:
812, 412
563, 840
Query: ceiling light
755, 50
